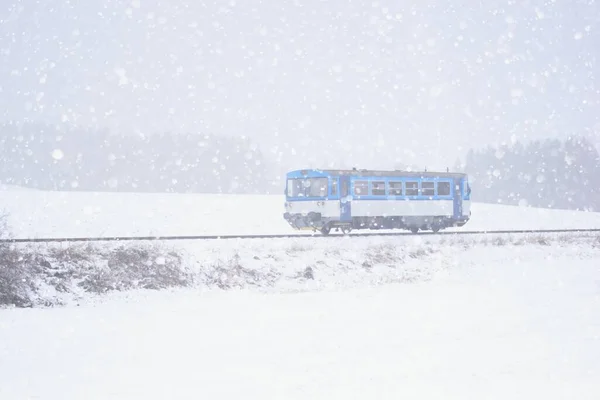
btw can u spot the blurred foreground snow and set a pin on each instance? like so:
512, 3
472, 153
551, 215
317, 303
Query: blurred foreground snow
498, 319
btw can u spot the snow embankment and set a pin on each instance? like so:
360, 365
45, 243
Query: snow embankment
84, 214
33, 276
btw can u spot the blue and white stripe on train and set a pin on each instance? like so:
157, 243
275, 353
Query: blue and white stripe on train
322, 200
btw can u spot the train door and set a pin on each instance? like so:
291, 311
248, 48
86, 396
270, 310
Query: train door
457, 198
345, 199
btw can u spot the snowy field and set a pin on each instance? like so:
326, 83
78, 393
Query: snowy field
468, 317
474, 318
75, 214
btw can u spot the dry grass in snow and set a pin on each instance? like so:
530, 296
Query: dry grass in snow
46, 275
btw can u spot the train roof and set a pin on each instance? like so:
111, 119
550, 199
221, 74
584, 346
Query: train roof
369, 172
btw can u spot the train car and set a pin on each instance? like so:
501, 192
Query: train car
322, 200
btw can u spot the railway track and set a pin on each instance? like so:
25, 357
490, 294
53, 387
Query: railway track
230, 237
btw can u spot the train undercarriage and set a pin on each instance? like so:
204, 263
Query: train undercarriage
315, 222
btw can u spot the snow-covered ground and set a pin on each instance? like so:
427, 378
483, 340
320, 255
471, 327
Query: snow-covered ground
463, 318
466, 317
59, 214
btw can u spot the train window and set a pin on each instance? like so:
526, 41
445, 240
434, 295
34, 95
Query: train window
317, 187
295, 188
361, 188
412, 188
310, 187
443, 188
378, 188
395, 188
334, 187
428, 188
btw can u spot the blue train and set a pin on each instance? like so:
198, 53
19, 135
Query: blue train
321, 200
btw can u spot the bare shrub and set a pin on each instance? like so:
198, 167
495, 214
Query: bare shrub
17, 276
16, 271
421, 252
541, 240
298, 248
334, 252
31, 276
519, 241
136, 267
463, 241
569, 239
73, 253
308, 273
232, 274
381, 254
499, 241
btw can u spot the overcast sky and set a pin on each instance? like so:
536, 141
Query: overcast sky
369, 83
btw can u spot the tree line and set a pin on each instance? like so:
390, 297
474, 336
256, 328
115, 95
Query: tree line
545, 173
45, 157
563, 174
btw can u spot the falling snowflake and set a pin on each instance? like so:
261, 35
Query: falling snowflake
57, 154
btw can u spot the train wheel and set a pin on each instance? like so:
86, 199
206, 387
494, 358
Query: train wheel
435, 228
414, 229
326, 229
346, 230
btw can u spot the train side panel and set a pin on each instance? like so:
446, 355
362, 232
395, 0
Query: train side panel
326, 208
466, 208
368, 208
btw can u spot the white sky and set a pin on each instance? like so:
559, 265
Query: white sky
366, 83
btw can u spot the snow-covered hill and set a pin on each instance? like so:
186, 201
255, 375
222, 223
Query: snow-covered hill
14, 188
496, 317
56, 214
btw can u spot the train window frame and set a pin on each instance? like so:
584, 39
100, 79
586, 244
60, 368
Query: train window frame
290, 186
380, 190
395, 191
430, 190
344, 188
446, 184
334, 187
408, 191
362, 183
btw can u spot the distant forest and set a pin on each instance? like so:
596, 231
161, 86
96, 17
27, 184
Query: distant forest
42, 157
550, 173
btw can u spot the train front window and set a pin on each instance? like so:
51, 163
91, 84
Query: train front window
309, 187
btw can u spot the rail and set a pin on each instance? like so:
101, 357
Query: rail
287, 236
